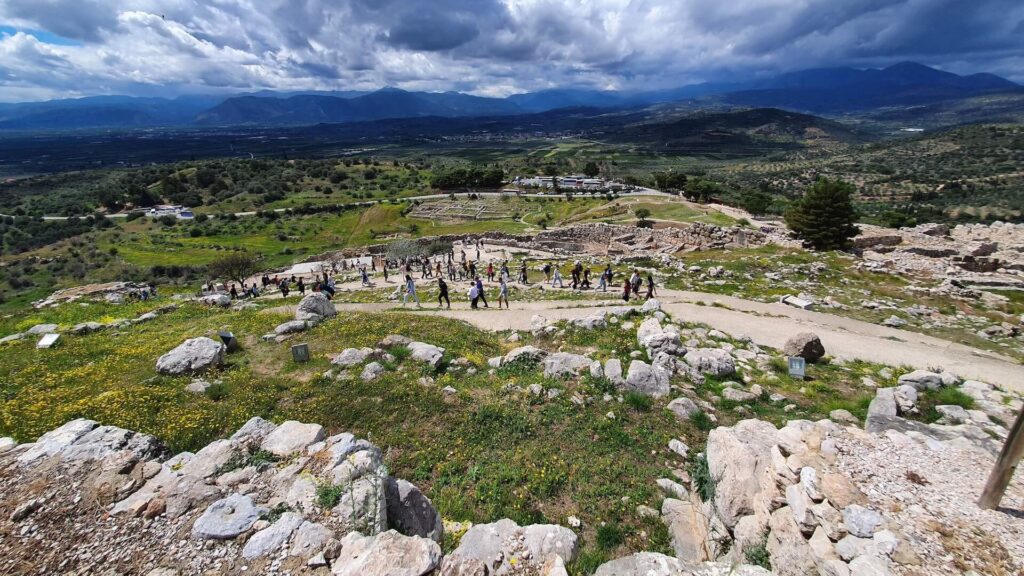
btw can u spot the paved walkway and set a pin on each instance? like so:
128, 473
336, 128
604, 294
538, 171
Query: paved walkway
768, 325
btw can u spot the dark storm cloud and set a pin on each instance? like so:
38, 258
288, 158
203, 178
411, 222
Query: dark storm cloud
484, 46
432, 31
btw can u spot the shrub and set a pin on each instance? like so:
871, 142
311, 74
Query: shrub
702, 421
758, 555
328, 495
609, 536
701, 478
639, 402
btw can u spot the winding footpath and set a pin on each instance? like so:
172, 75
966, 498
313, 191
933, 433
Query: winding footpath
768, 324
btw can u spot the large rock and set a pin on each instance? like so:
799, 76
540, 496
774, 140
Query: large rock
714, 361
592, 322
221, 300
648, 329
57, 439
740, 459
654, 564
922, 380
806, 345
642, 564
386, 554
314, 308
688, 529
292, 437
411, 512
227, 518
40, 329
426, 353
352, 356
790, 553
646, 379
613, 371
511, 549
564, 364
525, 355
860, 521
291, 327
194, 356
683, 408
271, 538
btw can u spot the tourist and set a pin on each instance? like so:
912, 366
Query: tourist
410, 291
474, 295
602, 282
480, 291
650, 286
627, 286
443, 295
556, 278
490, 272
522, 273
384, 267
328, 287
366, 277
234, 292
284, 288
547, 272
301, 285
586, 280
502, 293
636, 281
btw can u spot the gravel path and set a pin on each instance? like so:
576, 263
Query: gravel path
768, 325
929, 492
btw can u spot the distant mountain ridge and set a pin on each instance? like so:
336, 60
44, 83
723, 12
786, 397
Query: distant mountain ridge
819, 91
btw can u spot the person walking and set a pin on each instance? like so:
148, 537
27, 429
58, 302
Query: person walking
602, 282
410, 291
365, 276
490, 271
474, 295
556, 278
480, 291
502, 292
284, 288
627, 286
650, 286
547, 272
234, 292
302, 287
443, 295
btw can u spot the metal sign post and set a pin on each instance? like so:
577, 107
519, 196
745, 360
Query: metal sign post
797, 367
300, 352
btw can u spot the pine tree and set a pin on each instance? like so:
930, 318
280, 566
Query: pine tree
825, 218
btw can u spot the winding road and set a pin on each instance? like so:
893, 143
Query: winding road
767, 325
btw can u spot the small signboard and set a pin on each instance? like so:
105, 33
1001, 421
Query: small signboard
229, 340
300, 352
797, 367
48, 340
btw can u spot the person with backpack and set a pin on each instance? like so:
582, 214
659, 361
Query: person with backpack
443, 295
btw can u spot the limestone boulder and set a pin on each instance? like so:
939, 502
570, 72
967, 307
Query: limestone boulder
683, 408
426, 353
525, 355
646, 379
352, 356
714, 361
194, 356
806, 345
314, 308
227, 518
292, 437
509, 548
564, 364
410, 512
386, 554
740, 459
922, 380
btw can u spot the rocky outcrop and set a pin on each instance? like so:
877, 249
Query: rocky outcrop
194, 356
504, 547
314, 308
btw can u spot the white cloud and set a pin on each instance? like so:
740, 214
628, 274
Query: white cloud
490, 47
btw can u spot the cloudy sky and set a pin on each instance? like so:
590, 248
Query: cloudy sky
59, 48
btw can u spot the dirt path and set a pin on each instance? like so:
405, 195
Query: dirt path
768, 325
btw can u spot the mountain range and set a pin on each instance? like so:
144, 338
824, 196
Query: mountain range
828, 91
